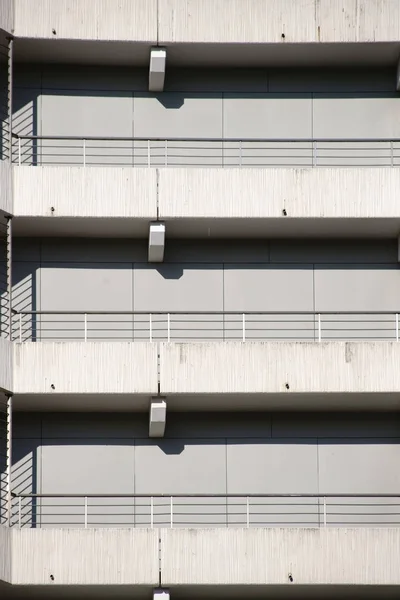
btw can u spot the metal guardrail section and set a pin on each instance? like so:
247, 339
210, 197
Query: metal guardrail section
181, 326
205, 510
204, 152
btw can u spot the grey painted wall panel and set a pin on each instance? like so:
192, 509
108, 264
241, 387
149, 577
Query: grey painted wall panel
263, 116
344, 116
337, 425
218, 453
178, 115
364, 467
262, 466
357, 288
334, 251
91, 250
250, 287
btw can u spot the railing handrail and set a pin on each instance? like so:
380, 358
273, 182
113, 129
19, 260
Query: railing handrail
205, 312
199, 139
227, 496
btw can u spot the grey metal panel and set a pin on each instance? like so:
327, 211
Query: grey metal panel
206, 251
216, 80
334, 251
27, 249
357, 287
26, 425
26, 76
103, 468
181, 466
365, 467
178, 115
217, 425
266, 466
331, 80
268, 115
261, 288
89, 78
338, 425
93, 250
263, 466
344, 115
98, 113
94, 426
249, 287
26, 477
86, 286
174, 287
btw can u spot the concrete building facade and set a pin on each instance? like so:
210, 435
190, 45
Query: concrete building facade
199, 299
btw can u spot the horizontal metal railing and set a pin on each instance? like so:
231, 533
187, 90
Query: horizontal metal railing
204, 152
205, 510
204, 325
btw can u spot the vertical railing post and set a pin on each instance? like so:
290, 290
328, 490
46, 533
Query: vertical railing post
244, 327
9, 459
247, 512
151, 512
319, 327
172, 513
86, 512
168, 327
84, 152
391, 154
314, 154
9, 276
397, 327
20, 328
19, 511
148, 154
240, 153
166, 154
85, 326
19, 151
150, 328
324, 511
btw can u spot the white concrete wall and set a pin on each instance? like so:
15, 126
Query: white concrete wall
91, 192
264, 21
204, 193
255, 193
6, 365
84, 557
6, 203
7, 15
267, 556
208, 21
87, 19
5, 554
266, 367
85, 368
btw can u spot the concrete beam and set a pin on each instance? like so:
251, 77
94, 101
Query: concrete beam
158, 59
156, 242
161, 594
157, 417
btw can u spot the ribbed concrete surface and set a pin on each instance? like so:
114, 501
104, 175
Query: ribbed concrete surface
85, 368
269, 367
122, 20
5, 554
264, 21
85, 557
269, 556
7, 15
6, 201
264, 193
6, 365
90, 192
